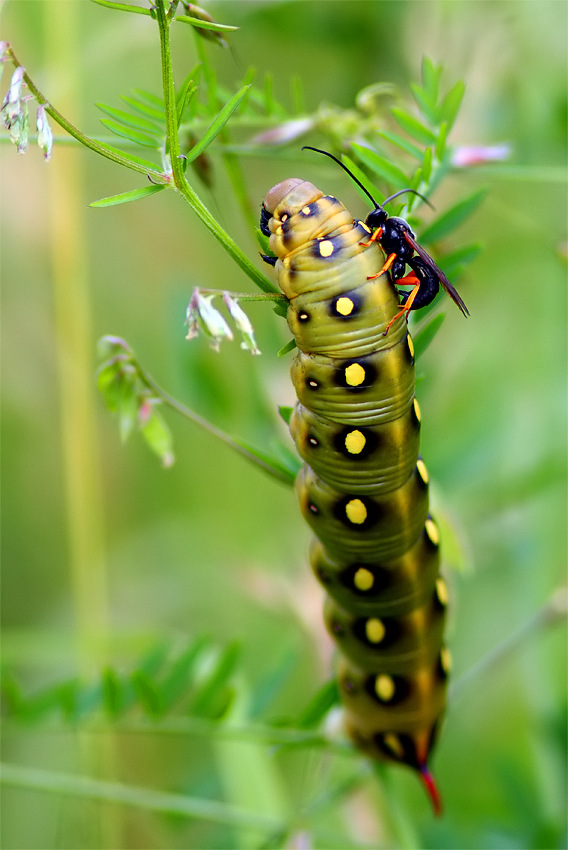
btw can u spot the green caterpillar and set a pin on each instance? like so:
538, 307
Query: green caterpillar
363, 487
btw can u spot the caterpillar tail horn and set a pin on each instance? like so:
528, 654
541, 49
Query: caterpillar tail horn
431, 789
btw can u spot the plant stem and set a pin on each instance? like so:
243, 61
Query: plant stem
180, 181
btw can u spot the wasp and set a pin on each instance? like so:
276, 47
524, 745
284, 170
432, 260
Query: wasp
401, 249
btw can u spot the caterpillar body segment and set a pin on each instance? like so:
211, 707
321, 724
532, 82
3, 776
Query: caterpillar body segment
363, 488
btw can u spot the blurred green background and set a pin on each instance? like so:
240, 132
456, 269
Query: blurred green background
106, 555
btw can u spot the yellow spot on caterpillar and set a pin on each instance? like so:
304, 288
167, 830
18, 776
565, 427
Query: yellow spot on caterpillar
384, 687
442, 591
422, 471
363, 579
445, 659
410, 345
392, 742
417, 410
375, 630
305, 211
354, 375
344, 305
284, 217
326, 248
356, 511
432, 531
355, 442
313, 384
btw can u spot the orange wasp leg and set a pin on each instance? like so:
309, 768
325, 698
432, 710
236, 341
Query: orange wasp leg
409, 280
390, 260
374, 236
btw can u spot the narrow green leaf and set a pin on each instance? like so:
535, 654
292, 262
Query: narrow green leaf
427, 165
180, 675
209, 701
151, 112
401, 143
126, 197
205, 25
381, 166
415, 128
127, 119
440, 147
290, 346
430, 81
450, 105
112, 692
185, 96
128, 157
452, 217
123, 7
427, 109
156, 433
318, 707
151, 98
132, 135
217, 124
426, 334
462, 256
147, 693
285, 412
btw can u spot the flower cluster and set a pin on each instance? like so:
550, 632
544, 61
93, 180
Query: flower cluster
201, 315
15, 115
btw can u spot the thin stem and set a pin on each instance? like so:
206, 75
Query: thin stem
553, 611
87, 141
180, 181
280, 473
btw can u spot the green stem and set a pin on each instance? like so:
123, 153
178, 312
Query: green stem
180, 181
142, 798
280, 473
70, 128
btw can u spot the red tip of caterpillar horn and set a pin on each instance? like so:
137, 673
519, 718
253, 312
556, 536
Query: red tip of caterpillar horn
431, 788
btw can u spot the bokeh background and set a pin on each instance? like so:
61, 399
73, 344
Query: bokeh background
106, 555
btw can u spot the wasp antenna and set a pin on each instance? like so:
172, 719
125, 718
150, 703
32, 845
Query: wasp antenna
344, 167
402, 191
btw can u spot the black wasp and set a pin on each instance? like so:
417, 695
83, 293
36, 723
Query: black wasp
401, 249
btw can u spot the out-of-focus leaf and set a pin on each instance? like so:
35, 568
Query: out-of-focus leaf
123, 7
179, 676
285, 412
215, 128
132, 135
147, 692
402, 143
130, 120
451, 103
209, 701
426, 334
156, 432
152, 112
318, 707
452, 217
415, 128
126, 197
381, 166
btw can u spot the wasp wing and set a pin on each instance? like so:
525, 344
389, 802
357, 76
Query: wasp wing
452, 292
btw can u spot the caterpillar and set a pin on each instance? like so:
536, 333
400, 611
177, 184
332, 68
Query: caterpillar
363, 487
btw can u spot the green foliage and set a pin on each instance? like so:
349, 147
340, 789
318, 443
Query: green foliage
490, 416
